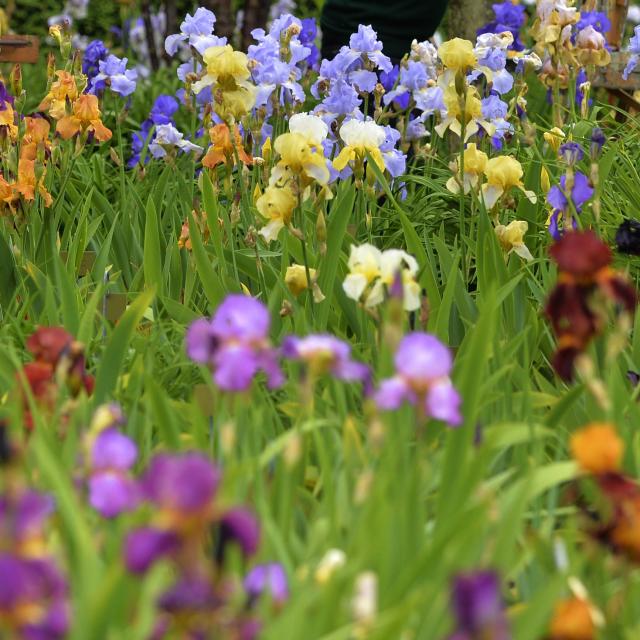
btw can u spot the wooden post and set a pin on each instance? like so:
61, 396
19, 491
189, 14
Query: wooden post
24, 49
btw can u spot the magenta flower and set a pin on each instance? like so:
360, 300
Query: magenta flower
323, 353
270, 578
423, 365
239, 525
146, 545
235, 344
112, 490
477, 606
33, 585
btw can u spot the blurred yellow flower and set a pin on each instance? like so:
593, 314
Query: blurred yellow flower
8, 121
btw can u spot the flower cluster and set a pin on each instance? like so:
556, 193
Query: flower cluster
598, 450
192, 530
59, 362
34, 597
577, 307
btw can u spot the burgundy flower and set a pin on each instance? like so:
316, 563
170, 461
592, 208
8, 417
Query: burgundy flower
576, 317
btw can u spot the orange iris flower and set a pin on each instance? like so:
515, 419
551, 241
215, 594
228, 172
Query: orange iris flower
63, 89
36, 134
221, 149
84, 119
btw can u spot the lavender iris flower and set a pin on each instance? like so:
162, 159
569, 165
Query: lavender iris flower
168, 138
24, 517
324, 353
197, 31
477, 607
423, 365
112, 490
234, 344
634, 49
270, 578
114, 73
161, 113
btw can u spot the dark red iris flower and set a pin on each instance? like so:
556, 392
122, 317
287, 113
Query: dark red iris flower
573, 307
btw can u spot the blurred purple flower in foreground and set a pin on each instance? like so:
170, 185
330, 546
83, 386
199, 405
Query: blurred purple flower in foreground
112, 490
423, 365
477, 607
270, 578
234, 344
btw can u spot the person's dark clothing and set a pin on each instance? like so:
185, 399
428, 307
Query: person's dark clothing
397, 23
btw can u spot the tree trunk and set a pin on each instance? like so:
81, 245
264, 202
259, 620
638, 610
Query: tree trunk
466, 16
256, 13
148, 32
225, 20
172, 22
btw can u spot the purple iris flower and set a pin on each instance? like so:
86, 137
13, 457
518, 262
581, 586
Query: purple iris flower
324, 353
5, 97
93, 55
112, 490
37, 586
189, 595
423, 366
478, 608
508, 17
581, 78
161, 113
184, 483
234, 344
144, 546
197, 31
580, 193
114, 73
308, 37
597, 142
241, 526
596, 19
23, 517
270, 578
571, 153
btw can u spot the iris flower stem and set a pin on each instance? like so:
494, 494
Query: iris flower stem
123, 188
305, 257
463, 127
